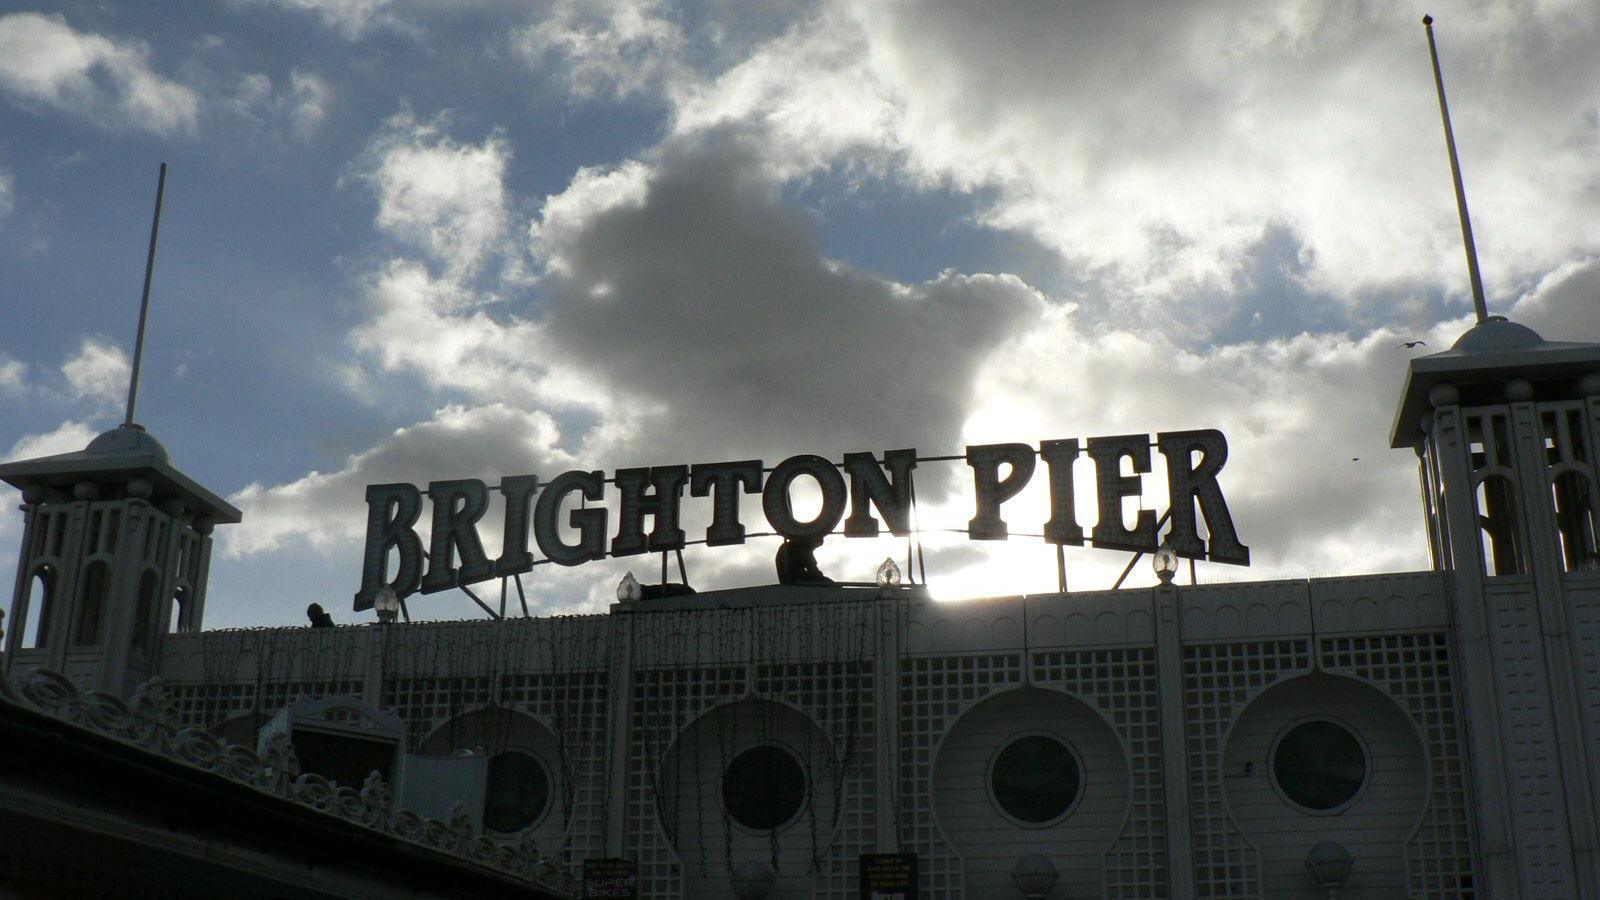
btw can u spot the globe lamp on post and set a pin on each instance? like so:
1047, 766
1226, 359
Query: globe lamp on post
628, 590
1034, 876
1329, 864
888, 574
1165, 562
387, 605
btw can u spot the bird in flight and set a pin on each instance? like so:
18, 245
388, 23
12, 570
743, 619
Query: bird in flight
1410, 344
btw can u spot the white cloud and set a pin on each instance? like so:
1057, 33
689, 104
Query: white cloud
68, 437
13, 374
350, 17
1155, 149
44, 61
436, 328
327, 509
98, 371
611, 48
8, 193
309, 97
299, 109
446, 198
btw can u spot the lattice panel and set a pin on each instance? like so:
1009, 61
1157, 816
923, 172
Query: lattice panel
934, 691
286, 664
816, 658
1121, 683
209, 705
664, 702
1218, 680
838, 697
574, 704
427, 703
1415, 670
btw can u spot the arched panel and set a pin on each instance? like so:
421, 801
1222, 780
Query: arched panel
1031, 771
752, 780
41, 599
144, 612
525, 791
93, 593
1326, 758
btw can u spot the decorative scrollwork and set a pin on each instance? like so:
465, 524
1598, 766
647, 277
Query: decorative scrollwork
51, 692
280, 766
313, 790
348, 803
150, 721
198, 747
103, 712
241, 764
409, 825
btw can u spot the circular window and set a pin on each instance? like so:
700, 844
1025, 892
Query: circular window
516, 793
1319, 765
764, 787
1036, 779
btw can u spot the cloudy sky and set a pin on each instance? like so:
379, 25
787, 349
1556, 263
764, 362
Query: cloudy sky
408, 240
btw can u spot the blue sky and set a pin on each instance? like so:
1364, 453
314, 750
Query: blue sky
412, 240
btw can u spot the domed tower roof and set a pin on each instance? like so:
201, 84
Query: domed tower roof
1497, 334
1479, 364
127, 439
125, 452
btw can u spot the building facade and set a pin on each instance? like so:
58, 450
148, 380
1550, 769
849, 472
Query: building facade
1438, 731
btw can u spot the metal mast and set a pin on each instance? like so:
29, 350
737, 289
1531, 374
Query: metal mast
144, 303
1455, 172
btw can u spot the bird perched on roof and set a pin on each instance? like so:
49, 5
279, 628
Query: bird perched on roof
1410, 344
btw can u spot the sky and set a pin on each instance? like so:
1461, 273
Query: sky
417, 240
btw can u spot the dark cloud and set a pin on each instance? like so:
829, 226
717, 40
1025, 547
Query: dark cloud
716, 307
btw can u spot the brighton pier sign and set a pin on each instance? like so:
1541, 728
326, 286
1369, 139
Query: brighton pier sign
455, 555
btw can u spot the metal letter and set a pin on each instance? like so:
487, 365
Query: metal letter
869, 487
1111, 486
780, 512
722, 481
591, 523
392, 511
1063, 527
661, 505
1187, 483
515, 557
991, 490
457, 507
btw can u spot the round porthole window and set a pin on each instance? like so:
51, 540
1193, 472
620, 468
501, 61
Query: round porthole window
1036, 779
764, 788
1319, 765
516, 794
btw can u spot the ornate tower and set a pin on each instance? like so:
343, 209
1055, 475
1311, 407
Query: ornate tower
116, 545
1507, 425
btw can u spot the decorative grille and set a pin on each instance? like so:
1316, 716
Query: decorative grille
934, 691
1121, 684
1218, 680
1414, 669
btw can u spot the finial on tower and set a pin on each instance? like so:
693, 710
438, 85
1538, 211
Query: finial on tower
1455, 171
144, 302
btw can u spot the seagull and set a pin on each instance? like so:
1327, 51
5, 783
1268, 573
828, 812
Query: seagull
1410, 344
